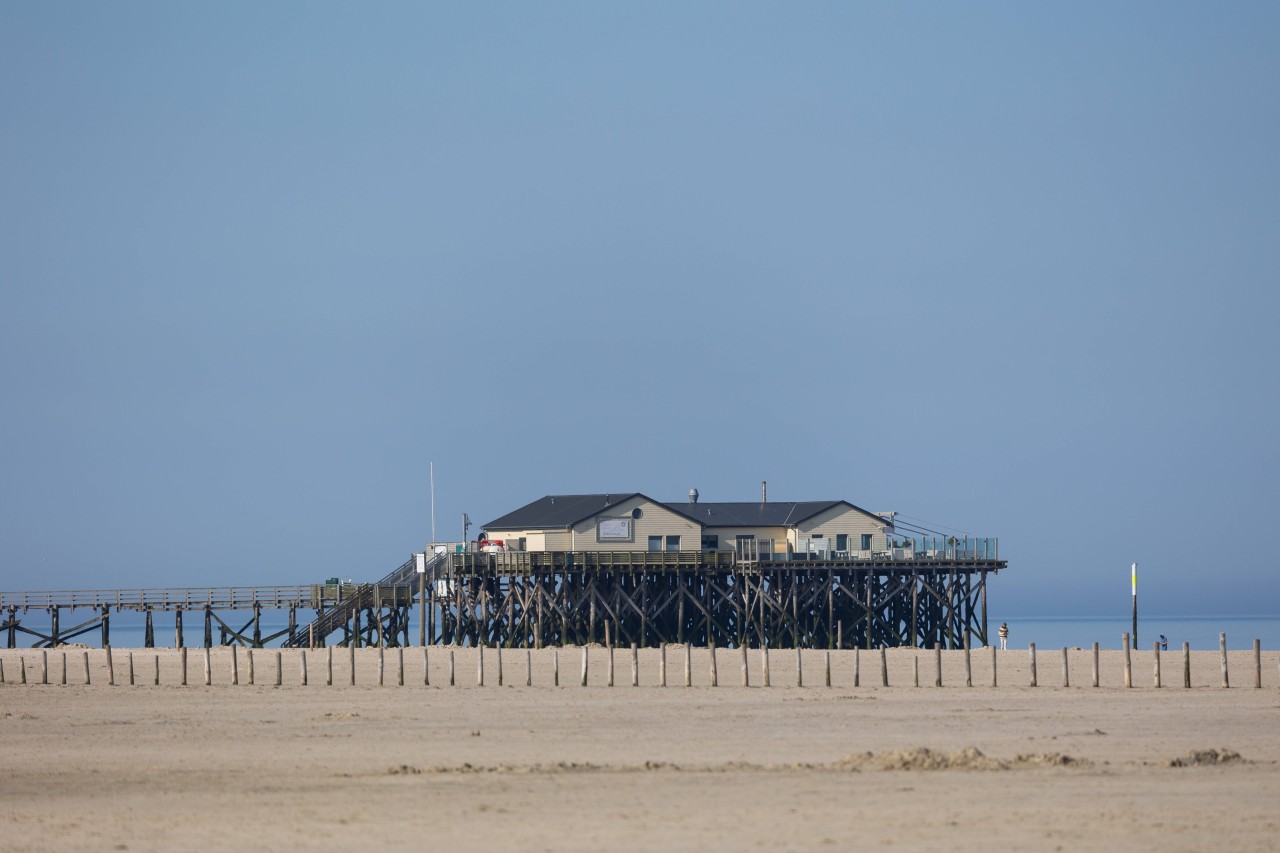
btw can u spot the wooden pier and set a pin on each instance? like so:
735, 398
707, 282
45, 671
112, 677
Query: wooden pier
531, 599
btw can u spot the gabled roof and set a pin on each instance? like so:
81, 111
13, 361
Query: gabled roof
755, 514
559, 511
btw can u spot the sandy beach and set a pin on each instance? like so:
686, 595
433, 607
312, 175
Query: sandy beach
321, 766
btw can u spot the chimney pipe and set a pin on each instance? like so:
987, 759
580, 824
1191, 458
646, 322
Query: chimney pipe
693, 496
764, 492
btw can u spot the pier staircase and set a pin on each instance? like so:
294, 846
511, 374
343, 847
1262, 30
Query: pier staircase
404, 578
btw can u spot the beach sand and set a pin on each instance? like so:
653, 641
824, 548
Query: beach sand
323, 767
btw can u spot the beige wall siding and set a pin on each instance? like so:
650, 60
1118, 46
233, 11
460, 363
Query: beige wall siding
842, 519
654, 520
729, 535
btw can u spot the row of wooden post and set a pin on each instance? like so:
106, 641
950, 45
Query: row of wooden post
635, 667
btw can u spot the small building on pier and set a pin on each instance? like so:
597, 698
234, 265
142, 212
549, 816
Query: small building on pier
773, 531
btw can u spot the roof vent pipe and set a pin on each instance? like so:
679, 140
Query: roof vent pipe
693, 496
764, 492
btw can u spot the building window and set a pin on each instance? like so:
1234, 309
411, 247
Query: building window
866, 542
710, 542
673, 543
842, 541
655, 543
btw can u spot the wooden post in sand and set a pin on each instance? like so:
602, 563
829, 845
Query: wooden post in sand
584, 666
182, 655
528, 667
131, 682
328, 667
840, 634
1128, 664
452, 681
1257, 664
968, 662
64, 667
662, 664
1186, 665
480, 665
1222, 646
555, 666
688, 665
711, 650
828, 666
1156, 673
400, 666
635, 665
799, 668
499, 652
937, 664
994, 680
746, 676
1032, 648
249, 654
22, 670
351, 653
764, 658
302, 668
1, 670
86, 669
884, 666
279, 670
235, 666
1095, 664
381, 665
426, 668
157, 681
44, 666
208, 668
111, 667
609, 648
857, 666
1066, 670
915, 669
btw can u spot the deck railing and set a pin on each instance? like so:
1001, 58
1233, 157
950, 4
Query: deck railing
218, 597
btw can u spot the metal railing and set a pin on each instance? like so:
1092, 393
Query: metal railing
218, 597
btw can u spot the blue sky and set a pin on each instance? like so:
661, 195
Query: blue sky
1009, 268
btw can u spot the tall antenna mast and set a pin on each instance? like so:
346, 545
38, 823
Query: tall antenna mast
433, 502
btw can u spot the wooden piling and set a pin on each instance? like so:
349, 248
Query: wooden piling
111, 668
1095, 665
711, 650
884, 665
1186, 665
968, 663
22, 670
1257, 663
799, 668
86, 667
499, 653
937, 664
555, 667
382, 665
182, 656
426, 668
156, 682
857, 666
1156, 673
915, 669
635, 665
662, 664
131, 682
1, 670
400, 666
528, 667
1128, 663
746, 676
452, 682
328, 667
609, 650
688, 665
1032, 648
584, 666
1066, 668
351, 653
1222, 646
208, 668
302, 668
994, 680
248, 653
235, 666
840, 634
64, 668
279, 669
480, 665
828, 667
764, 664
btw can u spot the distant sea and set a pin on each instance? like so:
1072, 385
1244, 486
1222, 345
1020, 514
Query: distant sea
127, 630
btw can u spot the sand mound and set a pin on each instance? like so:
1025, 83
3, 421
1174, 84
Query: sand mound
1206, 758
923, 758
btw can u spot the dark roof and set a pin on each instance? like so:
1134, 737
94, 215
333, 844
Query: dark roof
563, 511
756, 514
557, 511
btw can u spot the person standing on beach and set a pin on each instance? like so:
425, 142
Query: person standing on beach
1004, 636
